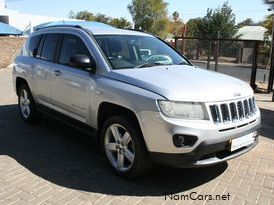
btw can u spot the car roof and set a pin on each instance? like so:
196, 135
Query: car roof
96, 28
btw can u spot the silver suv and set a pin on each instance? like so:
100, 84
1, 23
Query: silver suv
146, 102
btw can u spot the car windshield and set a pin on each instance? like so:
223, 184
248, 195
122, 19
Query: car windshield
132, 51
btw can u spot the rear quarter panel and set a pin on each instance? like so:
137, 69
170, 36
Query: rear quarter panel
23, 68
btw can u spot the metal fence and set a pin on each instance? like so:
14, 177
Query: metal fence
244, 59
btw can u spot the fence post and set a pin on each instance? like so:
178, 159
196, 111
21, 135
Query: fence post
217, 50
208, 56
197, 50
271, 69
183, 43
176, 42
254, 65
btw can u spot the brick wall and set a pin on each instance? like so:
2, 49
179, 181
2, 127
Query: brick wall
9, 48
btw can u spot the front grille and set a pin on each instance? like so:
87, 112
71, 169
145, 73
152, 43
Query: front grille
233, 111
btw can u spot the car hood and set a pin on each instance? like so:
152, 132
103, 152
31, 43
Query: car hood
184, 83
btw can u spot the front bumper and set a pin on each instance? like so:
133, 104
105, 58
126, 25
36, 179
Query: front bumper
205, 154
211, 147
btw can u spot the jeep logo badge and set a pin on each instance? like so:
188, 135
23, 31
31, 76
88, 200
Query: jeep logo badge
237, 94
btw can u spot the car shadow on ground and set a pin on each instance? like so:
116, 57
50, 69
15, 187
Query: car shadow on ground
67, 157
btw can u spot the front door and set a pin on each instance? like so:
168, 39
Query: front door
72, 88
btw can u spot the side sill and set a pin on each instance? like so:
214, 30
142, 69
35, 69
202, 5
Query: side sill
68, 120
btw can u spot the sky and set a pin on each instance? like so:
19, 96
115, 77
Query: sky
187, 9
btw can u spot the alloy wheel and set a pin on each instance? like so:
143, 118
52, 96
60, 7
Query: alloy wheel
119, 147
24, 103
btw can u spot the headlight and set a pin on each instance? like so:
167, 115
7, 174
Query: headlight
183, 110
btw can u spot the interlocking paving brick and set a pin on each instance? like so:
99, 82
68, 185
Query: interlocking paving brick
51, 163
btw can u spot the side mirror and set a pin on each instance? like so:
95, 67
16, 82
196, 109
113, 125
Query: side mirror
82, 61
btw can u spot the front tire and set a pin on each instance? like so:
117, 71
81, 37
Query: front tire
27, 107
124, 148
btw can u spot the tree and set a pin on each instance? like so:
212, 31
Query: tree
175, 16
176, 28
220, 20
82, 15
120, 23
216, 23
193, 26
150, 15
102, 18
88, 16
176, 25
246, 22
268, 24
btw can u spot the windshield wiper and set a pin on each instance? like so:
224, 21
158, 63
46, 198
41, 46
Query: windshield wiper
149, 64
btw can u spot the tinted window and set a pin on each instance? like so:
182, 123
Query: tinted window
40, 46
72, 45
33, 45
50, 44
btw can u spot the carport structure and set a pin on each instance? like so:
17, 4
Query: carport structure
6, 30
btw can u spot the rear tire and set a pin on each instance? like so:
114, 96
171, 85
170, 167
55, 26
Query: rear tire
27, 106
123, 147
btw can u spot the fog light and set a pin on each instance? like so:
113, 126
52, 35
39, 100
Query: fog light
184, 140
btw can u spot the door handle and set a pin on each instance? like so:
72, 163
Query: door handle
57, 72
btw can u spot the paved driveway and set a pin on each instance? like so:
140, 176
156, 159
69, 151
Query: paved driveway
51, 163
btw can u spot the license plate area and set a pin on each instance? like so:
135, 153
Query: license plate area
243, 141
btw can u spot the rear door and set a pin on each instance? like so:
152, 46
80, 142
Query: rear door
45, 56
72, 88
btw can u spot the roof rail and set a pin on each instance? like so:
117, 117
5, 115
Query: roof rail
60, 25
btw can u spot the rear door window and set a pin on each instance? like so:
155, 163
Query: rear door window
33, 45
49, 47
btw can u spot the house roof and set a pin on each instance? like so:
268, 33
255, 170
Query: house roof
6, 29
252, 33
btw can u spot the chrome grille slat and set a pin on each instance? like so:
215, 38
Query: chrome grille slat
229, 112
232, 111
238, 116
221, 116
254, 105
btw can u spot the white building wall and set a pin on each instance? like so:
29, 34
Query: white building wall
2, 4
22, 20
